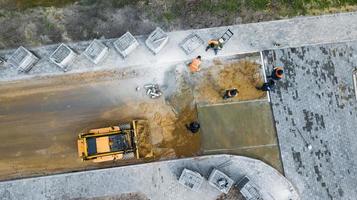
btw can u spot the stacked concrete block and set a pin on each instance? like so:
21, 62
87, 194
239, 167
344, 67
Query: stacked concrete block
248, 189
23, 59
63, 56
191, 43
220, 181
191, 179
157, 40
96, 51
126, 44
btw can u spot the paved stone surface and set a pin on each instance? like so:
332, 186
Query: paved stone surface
155, 180
247, 38
315, 104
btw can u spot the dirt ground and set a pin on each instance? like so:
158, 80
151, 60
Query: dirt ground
41, 118
245, 75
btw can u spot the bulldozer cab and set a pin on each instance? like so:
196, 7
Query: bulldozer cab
106, 144
109, 143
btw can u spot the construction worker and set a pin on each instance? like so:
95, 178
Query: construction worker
195, 64
268, 86
277, 73
230, 93
215, 44
194, 127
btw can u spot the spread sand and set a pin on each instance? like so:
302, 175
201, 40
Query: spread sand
244, 75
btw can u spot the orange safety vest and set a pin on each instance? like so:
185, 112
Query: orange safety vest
276, 69
195, 65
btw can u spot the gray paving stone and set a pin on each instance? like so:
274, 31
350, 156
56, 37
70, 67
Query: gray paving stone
314, 104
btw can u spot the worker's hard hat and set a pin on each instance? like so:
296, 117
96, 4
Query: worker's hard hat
220, 40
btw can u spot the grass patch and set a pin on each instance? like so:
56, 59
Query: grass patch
122, 3
257, 5
87, 2
25, 4
2, 14
302, 7
169, 16
219, 6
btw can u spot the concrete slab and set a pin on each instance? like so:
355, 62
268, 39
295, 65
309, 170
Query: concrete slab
220, 181
22, 59
315, 105
63, 56
126, 44
248, 189
157, 181
96, 51
191, 179
244, 128
191, 43
157, 40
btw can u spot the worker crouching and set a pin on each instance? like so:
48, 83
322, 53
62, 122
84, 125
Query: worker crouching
195, 64
230, 93
268, 86
194, 127
215, 45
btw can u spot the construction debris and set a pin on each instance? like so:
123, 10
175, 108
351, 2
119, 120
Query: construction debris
63, 56
23, 59
126, 44
191, 179
157, 40
153, 91
220, 181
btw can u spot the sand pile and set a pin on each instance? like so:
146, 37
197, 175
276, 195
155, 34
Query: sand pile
244, 75
144, 139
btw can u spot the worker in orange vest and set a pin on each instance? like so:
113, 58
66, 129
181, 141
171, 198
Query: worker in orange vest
277, 73
195, 64
215, 45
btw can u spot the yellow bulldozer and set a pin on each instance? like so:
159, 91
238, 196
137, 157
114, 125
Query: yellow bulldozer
115, 143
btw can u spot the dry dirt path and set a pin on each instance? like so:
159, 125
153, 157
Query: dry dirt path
40, 119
